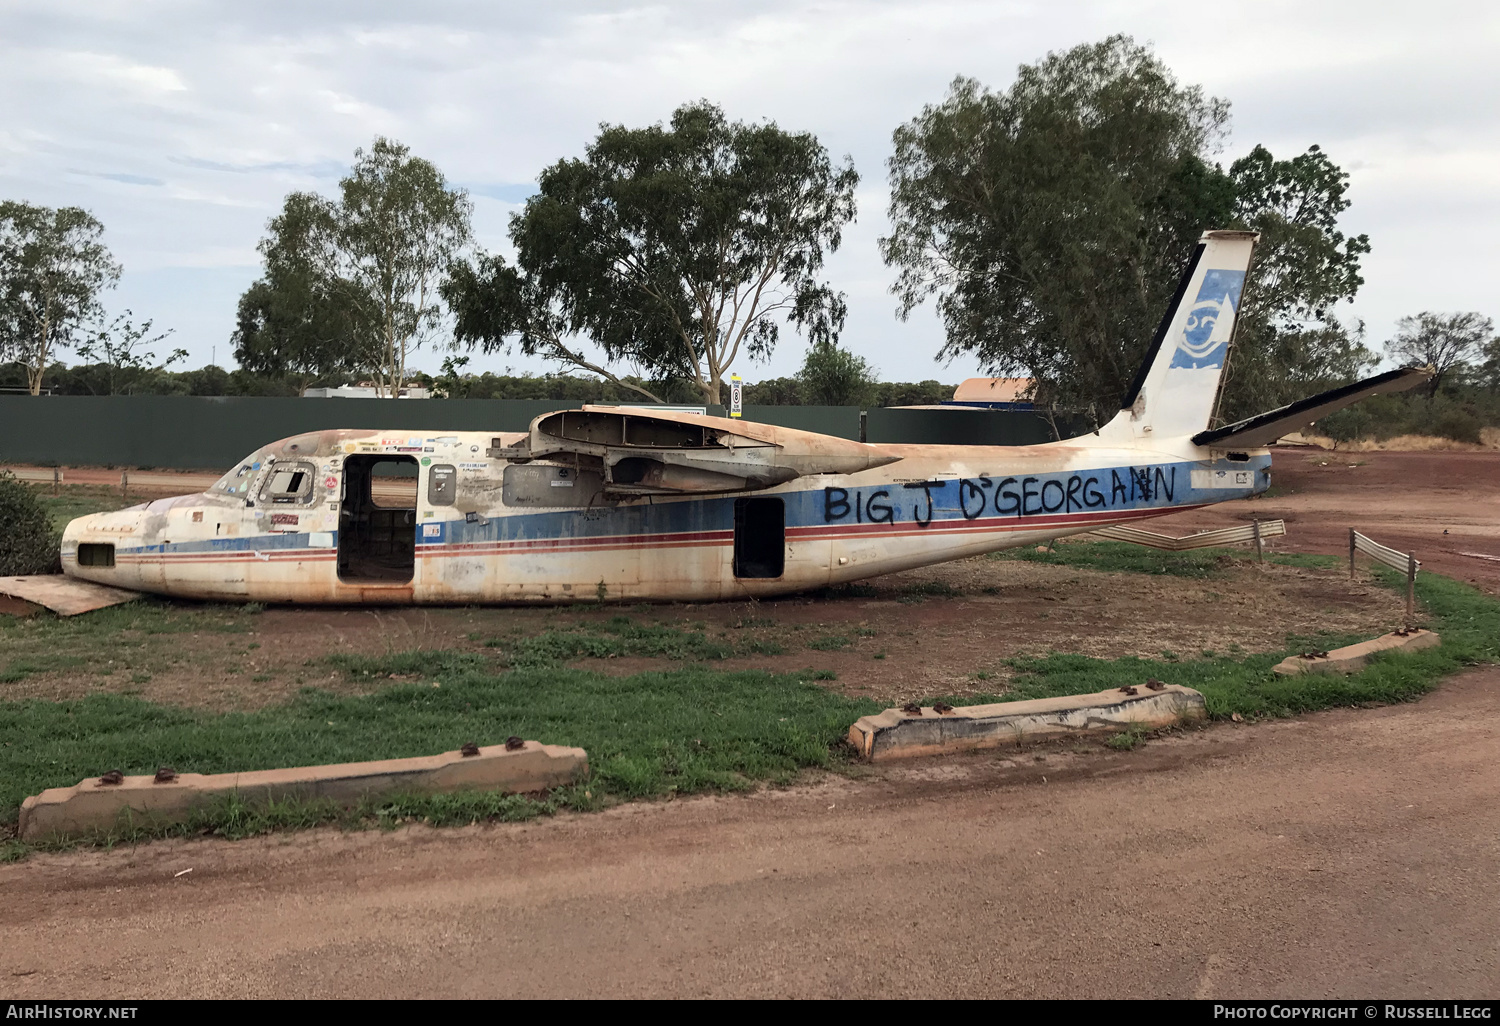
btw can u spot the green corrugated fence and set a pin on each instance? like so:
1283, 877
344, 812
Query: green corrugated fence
210, 433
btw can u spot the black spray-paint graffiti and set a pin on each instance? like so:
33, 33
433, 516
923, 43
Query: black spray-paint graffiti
1010, 496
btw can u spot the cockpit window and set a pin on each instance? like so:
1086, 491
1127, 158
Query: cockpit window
238, 480
288, 482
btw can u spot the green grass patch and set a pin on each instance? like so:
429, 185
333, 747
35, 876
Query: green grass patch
646, 734
831, 642
622, 636
914, 593
79, 501
1123, 557
1468, 620
119, 637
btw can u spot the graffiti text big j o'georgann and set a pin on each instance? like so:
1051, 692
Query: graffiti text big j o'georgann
1009, 496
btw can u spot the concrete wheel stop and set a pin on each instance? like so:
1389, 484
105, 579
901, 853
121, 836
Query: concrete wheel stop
911, 731
1353, 658
103, 804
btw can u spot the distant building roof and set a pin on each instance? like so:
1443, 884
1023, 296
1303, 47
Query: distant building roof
992, 390
365, 390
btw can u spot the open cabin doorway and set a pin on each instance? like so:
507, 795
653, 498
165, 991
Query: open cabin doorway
759, 538
378, 519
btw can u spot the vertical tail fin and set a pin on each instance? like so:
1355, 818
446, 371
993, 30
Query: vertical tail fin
1173, 392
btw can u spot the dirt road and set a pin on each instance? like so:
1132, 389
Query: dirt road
1351, 853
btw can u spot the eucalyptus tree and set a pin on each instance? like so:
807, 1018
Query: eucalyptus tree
354, 282
298, 321
676, 249
1289, 342
834, 376
1051, 221
53, 266
1444, 342
119, 350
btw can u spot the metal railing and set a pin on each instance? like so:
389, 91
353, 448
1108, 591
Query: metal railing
1390, 557
1254, 532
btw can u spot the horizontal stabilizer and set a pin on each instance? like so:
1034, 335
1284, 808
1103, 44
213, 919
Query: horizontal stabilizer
1266, 428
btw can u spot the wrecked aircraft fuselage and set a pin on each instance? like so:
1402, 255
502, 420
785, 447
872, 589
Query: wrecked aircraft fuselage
609, 503
606, 503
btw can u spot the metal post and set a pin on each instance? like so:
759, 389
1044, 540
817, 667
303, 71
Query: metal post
1260, 556
1351, 553
56, 480
1411, 586
124, 484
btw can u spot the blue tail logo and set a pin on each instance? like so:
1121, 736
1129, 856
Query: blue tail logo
1210, 321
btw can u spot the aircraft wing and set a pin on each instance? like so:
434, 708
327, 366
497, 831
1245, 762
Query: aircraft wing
640, 451
1266, 428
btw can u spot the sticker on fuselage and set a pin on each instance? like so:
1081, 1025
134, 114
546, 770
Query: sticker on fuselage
1223, 478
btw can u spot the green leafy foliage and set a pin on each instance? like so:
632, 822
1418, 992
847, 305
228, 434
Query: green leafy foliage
119, 348
1287, 342
1051, 220
832, 376
28, 543
353, 283
53, 265
1444, 342
673, 248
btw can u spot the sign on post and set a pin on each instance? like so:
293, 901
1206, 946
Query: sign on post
736, 396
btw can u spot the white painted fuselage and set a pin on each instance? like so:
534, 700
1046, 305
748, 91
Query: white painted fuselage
244, 540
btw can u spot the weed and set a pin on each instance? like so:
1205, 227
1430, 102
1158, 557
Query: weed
1124, 557
831, 642
914, 593
846, 591
1127, 740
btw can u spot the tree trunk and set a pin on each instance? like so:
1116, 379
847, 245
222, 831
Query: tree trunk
35, 373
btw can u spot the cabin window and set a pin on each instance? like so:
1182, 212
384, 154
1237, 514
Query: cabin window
96, 554
291, 482
759, 537
392, 482
442, 482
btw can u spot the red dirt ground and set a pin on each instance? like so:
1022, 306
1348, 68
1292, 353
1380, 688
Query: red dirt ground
1439, 505
1344, 854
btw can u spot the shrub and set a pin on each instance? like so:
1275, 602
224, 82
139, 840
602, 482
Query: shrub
27, 544
1459, 425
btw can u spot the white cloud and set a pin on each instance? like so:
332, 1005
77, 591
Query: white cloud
231, 106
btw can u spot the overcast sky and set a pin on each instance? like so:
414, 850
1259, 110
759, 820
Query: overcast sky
182, 125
